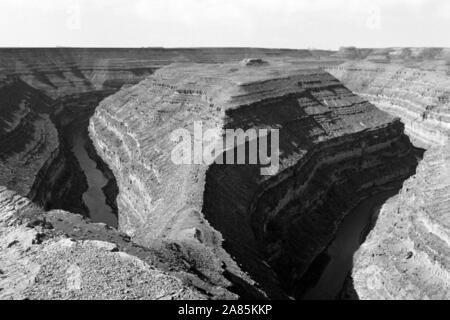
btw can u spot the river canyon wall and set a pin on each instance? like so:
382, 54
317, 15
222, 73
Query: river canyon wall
418, 96
405, 255
335, 149
42, 93
218, 231
44, 90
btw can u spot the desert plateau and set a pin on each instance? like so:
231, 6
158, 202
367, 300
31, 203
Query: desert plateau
352, 202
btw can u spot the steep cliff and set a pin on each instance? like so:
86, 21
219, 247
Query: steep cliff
35, 160
45, 90
42, 92
419, 97
405, 254
335, 149
28, 138
223, 231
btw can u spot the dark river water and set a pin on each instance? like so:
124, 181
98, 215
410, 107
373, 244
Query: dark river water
348, 239
94, 198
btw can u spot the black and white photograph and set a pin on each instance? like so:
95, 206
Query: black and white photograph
240, 151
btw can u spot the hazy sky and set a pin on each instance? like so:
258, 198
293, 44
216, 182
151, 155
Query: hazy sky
257, 23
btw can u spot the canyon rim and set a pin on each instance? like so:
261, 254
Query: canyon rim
224, 172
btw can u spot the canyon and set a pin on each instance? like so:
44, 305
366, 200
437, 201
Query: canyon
404, 257
86, 168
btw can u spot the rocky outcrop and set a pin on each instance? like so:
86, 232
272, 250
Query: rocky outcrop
59, 255
335, 149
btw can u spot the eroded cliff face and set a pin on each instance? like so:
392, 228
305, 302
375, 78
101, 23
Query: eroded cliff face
29, 139
221, 231
405, 255
419, 97
36, 160
335, 149
45, 90
63, 72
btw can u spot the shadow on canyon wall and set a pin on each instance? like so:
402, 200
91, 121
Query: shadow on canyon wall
275, 249
95, 184
329, 276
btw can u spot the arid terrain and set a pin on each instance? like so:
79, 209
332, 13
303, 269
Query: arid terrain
93, 207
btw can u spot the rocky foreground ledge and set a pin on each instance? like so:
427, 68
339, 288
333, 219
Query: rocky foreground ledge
59, 255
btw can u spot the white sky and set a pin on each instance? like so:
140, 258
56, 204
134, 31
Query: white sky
326, 24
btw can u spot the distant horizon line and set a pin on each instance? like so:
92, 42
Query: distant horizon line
215, 47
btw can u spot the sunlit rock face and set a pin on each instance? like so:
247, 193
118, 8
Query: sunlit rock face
419, 97
335, 149
405, 256
58, 255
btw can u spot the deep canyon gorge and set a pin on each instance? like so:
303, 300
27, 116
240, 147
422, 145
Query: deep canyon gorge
88, 191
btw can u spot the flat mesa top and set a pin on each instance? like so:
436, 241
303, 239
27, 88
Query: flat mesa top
247, 79
238, 73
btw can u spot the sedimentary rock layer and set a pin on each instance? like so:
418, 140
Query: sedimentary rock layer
44, 89
430, 57
407, 255
419, 97
34, 159
335, 149
63, 71
28, 138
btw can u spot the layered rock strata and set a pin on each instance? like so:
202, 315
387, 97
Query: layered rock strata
35, 161
46, 89
405, 255
65, 71
28, 138
335, 149
419, 97
429, 57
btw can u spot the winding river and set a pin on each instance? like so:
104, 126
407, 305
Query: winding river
351, 233
94, 198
